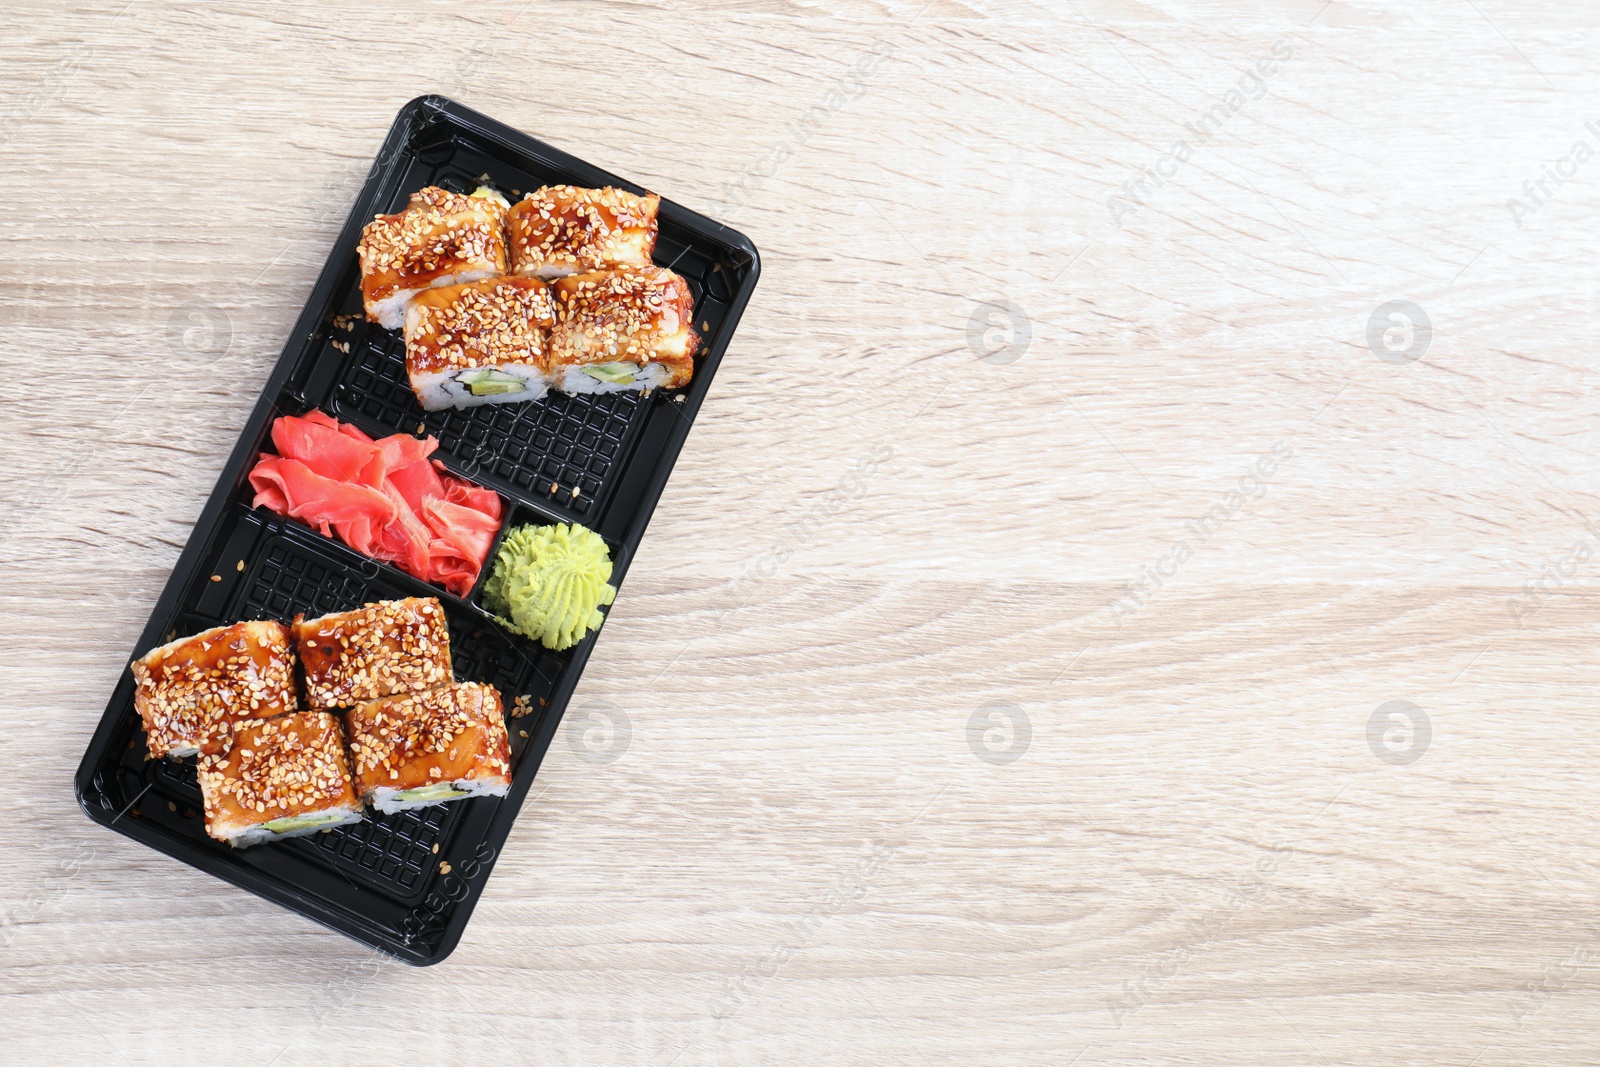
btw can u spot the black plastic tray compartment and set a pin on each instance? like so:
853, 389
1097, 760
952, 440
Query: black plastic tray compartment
406, 884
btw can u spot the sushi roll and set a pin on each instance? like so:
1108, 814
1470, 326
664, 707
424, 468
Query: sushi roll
621, 330
421, 749
479, 343
388, 647
191, 691
441, 238
563, 230
279, 778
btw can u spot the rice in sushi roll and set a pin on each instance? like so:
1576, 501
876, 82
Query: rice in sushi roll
279, 778
421, 749
622, 330
480, 343
191, 691
387, 647
562, 230
441, 238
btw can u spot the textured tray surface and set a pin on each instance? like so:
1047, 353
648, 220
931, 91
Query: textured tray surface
406, 883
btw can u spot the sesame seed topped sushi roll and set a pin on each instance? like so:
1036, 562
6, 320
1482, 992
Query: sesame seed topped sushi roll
479, 343
622, 330
562, 230
387, 647
441, 238
279, 778
421, 749
191, 691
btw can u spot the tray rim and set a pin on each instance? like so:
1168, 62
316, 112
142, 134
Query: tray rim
408, 121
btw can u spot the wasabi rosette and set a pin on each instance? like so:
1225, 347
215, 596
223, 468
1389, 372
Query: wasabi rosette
549, 583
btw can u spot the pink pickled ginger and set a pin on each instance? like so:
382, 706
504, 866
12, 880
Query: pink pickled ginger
383, 498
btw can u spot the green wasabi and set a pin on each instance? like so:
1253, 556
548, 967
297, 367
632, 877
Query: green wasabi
549, 583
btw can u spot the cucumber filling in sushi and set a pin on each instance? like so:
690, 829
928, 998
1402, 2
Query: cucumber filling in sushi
618, 373
390, 801
441, 791
291, 826
291, 823
490, 382
615, 377
507, 383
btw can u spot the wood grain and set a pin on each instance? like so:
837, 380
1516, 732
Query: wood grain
810, 849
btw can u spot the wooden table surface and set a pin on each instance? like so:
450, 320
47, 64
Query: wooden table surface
1091, 621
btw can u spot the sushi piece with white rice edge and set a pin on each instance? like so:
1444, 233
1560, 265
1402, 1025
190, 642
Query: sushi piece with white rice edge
441, 238
279, 778
190, 692
479, 343
563, 229
622, 330
382, 648
421, 749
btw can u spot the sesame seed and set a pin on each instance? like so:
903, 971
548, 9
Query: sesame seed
417, 736
564, 227
286, 766
439, 232
641, 313
189, 692
495, 322
391, 646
